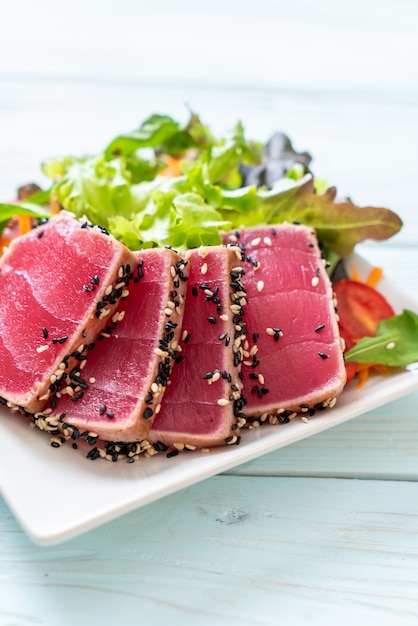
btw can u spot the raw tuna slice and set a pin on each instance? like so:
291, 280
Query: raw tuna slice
296, 362
58, 284
203, 400
116, 396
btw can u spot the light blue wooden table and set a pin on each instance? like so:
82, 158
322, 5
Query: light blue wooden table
321, 532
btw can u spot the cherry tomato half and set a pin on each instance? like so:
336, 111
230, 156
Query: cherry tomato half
360, 308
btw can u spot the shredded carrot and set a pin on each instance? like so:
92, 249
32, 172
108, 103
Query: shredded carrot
363, 369
3, 244
363, 366
25, 224
381, 369
355, 274
374, 276
372, 279
173, 168
54, 207
362, 375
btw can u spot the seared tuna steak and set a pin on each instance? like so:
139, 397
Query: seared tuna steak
59, 283
295, 361
118, 393
202, 403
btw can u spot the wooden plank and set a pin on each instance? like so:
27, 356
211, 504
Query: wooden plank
230, 552
382, 444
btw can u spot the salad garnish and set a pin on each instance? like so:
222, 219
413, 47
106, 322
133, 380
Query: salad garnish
173, 184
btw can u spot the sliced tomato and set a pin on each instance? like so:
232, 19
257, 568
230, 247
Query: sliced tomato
350, 367
360, 309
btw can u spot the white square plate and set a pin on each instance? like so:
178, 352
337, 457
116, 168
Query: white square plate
57, 493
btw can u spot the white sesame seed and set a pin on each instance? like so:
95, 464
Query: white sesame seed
223, 317
233, 238
203, 252
204, 268
168, 311
267, 241
270, 331
172, 271
390, 345
223, 401
305, 420
159, 352
260, 285
315, 281
42, 348
256, 241
92, 380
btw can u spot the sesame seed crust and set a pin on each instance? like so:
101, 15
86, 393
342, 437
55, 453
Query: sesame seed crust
62, 234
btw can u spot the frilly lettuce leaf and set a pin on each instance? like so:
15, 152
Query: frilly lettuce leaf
122, 189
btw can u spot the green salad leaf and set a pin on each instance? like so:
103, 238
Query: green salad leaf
7, 211
130, 190
394, 344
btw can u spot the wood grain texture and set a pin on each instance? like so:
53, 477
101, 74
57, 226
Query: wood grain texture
300, 551
324, 531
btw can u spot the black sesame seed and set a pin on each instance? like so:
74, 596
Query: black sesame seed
77, 396
323, 355
148, 413
194, 291
320, 327
93, 454
212, 320
45, 333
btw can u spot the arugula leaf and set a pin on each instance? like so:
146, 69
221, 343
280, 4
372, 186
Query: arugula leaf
394, 343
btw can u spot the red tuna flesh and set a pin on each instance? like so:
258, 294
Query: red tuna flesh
201, 404
127, 371
295, 361
54, 282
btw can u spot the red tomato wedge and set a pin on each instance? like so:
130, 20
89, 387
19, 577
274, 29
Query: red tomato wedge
360, 308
